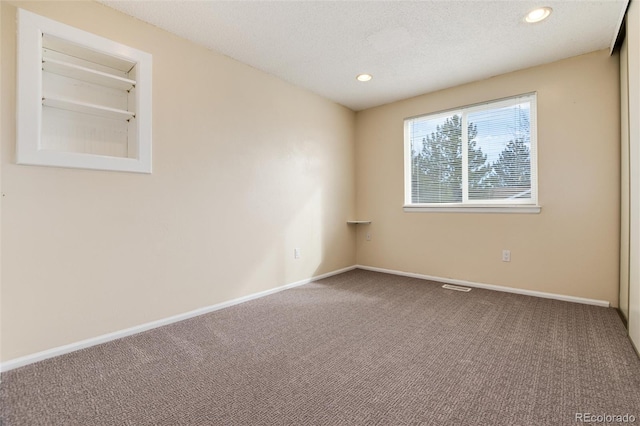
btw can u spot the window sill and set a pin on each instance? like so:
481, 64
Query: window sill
472, 209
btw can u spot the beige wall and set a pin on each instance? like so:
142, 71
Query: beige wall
246, 168
571, 247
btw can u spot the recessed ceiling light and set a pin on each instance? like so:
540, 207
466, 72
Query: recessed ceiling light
537, 15
364, 77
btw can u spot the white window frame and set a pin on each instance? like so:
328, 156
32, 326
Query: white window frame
476, 206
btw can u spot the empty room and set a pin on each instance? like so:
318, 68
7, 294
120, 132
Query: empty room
319, 212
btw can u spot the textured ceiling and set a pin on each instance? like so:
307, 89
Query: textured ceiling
410, 48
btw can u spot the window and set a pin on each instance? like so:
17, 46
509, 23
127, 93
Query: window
476, 158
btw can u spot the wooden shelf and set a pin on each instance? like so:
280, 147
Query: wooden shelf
87, 108
78, 72
359, 222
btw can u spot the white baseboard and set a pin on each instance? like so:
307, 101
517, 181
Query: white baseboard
542, 294
72, 347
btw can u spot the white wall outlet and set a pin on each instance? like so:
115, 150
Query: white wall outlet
297, 253
506, 255
368, 236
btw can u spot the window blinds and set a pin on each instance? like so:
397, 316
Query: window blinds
483, 154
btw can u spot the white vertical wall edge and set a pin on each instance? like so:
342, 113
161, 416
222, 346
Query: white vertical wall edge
31, 28
633, 49
503, 289
624, 180
72, 347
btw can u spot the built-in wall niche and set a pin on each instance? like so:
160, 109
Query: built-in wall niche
83, 101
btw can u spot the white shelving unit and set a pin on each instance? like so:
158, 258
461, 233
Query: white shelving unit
83, 101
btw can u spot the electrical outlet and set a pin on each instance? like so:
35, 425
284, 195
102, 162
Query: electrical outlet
506, 255
368, 236
297, 253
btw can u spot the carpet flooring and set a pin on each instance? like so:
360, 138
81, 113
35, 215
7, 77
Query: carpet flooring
360, 348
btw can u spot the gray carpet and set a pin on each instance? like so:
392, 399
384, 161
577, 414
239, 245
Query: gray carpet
360, 348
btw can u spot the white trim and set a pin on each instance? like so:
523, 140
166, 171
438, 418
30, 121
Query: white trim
525, 292
72, 347
472, 209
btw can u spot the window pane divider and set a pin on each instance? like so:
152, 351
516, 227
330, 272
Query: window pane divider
465, 158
